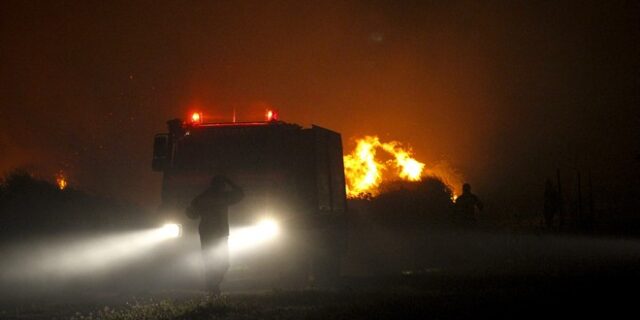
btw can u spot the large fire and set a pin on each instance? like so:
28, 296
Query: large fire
364, 172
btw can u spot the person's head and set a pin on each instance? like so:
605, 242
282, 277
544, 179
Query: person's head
466, 188
217, 183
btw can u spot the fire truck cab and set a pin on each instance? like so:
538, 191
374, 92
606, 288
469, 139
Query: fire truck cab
290, 174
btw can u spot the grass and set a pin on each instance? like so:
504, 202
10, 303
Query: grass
395, 297
408, 298
307, 304
204, 308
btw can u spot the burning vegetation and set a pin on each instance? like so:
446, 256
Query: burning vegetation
365, 172
61, 180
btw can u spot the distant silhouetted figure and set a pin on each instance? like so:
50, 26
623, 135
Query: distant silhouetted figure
465, 206
551, 203
212, 207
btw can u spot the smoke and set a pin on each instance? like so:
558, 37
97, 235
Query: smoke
503, 91
78, 256
144, 259
447, 174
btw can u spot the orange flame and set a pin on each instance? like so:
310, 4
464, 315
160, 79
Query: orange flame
364, 173
410, 169
61, 181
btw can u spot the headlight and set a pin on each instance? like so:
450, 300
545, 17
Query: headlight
267, 228
260, 233
171, 230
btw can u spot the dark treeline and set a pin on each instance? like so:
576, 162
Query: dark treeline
33, 207
30, 207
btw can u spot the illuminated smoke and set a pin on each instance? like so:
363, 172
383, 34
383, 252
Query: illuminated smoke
85, 255
448, 175
246, 237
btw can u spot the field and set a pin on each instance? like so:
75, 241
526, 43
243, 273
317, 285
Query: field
422, 296
580, 278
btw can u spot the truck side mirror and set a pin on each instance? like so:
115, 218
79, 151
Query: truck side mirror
160, 152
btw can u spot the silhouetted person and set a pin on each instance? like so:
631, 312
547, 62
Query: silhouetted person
551, 203
212, 207
466, 204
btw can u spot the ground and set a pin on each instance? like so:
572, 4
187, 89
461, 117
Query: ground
428, 296
388, 275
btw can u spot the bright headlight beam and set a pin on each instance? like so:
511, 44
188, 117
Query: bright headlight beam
268, 228
88, 255
242, 238
171, 230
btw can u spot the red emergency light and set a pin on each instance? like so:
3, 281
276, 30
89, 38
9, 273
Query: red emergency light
196, 118
271, 115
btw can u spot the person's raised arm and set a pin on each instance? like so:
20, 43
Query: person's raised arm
236, 193
231, 184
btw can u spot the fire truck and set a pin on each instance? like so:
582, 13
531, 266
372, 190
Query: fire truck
290, 174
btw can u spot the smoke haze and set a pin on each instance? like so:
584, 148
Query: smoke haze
503, 92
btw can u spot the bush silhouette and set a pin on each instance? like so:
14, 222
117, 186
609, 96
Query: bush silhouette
415, 203
30, 206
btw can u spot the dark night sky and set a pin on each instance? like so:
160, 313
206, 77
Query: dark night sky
504, 91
